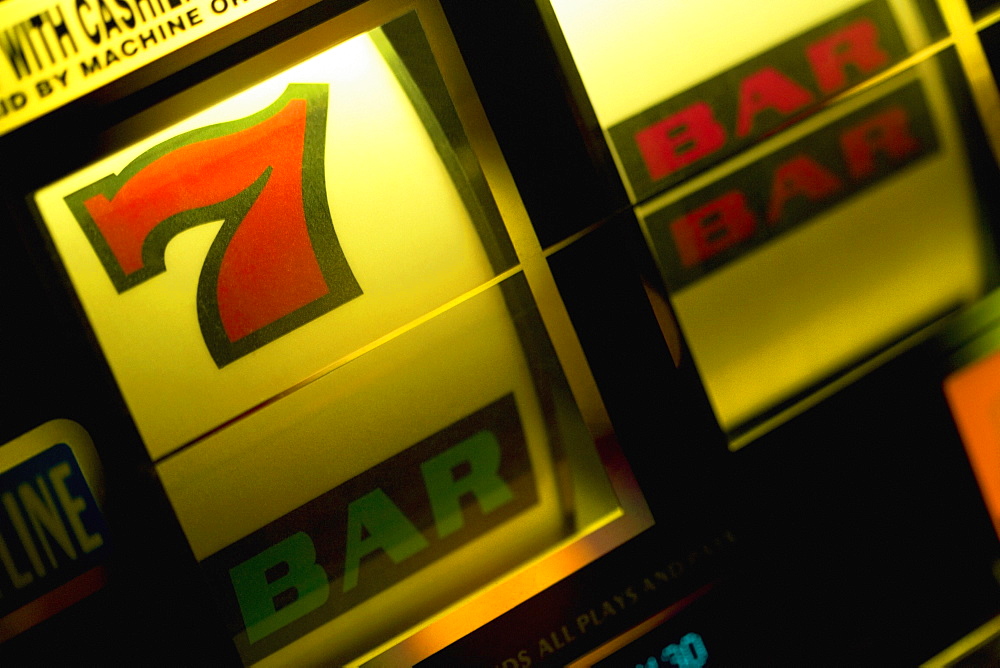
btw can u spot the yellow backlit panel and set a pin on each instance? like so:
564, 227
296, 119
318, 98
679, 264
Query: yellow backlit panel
845, 283
633, 54
352, 419
383, 403
408, 241
315, 313
787, 261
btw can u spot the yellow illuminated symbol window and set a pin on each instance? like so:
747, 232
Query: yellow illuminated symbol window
275, 263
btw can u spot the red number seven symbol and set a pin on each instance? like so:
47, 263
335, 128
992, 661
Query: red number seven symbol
275, 264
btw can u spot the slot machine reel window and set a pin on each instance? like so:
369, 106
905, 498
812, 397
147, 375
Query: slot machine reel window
336, 355
806, 189
678, 88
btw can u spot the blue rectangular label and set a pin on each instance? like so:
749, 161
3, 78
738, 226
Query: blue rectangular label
51, 529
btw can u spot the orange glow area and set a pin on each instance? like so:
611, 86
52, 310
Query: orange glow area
974, 396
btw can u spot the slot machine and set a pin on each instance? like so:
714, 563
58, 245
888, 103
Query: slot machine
424, 332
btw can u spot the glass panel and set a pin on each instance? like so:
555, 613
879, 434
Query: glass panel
313, 308
143, 236
866, 227
807, 214
679, 87
420, 471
